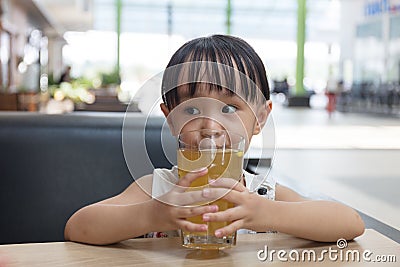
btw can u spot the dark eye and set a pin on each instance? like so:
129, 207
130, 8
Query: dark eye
192, 111
229, 109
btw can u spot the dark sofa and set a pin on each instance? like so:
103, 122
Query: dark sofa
52, 165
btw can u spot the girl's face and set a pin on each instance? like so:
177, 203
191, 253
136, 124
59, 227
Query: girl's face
216, 110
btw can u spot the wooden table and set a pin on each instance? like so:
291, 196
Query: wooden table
168, 252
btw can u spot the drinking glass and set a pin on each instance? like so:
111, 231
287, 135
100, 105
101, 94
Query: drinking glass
222, 153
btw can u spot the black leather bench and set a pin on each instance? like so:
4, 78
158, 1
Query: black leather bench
52, 165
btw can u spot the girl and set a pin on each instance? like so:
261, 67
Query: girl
215, 82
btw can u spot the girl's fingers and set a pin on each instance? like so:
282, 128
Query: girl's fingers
196, 211
184, 199
191, 227
228, 183
186, 180
213, 194
228, 215
229, 229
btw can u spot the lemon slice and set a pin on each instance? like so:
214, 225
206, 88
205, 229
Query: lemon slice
239, 154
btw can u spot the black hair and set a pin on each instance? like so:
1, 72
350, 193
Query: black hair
233, 53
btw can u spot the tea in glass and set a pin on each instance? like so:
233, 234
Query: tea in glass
222, 153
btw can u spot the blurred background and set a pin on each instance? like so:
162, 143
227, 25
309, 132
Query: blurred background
350, 48
333, 67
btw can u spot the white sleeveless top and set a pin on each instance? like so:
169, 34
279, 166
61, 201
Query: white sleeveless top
165, 179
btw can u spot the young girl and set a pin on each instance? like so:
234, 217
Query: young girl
215, 82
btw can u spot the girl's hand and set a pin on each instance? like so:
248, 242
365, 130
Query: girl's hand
171, 209
247, 211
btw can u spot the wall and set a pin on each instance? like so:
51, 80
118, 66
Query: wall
370, 41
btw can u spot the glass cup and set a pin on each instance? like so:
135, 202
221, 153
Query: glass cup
222, 153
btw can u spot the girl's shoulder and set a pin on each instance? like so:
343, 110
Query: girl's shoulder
164, 180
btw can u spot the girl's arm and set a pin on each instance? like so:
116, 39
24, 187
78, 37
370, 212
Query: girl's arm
134, 213
113, 219
317, 220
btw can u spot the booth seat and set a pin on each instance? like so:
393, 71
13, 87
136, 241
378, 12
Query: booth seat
52, 165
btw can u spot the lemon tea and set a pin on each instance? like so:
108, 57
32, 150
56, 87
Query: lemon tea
226, 163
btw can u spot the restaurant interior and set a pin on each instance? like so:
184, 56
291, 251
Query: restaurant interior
80, 120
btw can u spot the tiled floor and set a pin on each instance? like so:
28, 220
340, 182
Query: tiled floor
351, 157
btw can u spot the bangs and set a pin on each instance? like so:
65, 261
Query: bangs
190, 90
221, 65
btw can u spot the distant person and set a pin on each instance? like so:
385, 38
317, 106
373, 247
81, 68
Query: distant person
285, 87
281, 87
333, 89
66, 75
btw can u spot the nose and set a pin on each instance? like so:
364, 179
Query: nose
208, 123
217, 135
